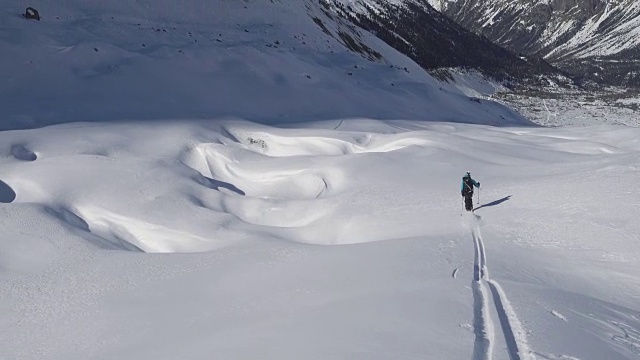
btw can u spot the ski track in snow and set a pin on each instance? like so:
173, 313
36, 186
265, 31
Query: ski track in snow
556, 357
559, 315
631, 337
512, 330
482, 323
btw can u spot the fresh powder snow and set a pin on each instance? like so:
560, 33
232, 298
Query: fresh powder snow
220, 204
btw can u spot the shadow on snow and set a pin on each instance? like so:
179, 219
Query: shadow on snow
494, 203
7, 195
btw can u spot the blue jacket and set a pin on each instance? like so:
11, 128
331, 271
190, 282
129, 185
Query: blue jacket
463, 185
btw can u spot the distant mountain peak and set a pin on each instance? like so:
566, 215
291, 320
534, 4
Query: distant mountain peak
418, 30
583, 37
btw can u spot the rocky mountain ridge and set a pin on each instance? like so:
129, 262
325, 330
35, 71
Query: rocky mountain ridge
434, 41
596, 40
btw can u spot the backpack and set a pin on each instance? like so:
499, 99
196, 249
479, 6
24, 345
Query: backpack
468, 188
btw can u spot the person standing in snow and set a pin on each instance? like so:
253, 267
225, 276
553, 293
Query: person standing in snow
467, 190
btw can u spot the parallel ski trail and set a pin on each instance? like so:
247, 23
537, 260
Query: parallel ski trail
512, 330
482, 323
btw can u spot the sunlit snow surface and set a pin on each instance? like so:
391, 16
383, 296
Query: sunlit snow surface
173, 238
208, 239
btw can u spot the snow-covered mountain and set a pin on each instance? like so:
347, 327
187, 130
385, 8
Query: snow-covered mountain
598, 39
434, 41
155, 220
265, 60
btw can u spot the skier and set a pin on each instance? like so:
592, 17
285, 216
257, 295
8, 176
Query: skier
467, 190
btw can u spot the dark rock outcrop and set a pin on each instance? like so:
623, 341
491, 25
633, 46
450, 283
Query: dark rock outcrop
592, 39
434, 41
32, 13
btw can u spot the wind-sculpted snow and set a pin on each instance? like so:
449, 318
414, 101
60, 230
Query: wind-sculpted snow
136, 234
286, 179
21, 152
259, 176
284, 145
244, 178
184, 239
235, 180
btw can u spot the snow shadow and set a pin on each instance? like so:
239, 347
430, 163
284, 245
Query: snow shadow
20, 152
494, 203
7, 195
217, 185
75, 222
69, 218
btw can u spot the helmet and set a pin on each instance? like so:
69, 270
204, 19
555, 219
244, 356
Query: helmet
468, 173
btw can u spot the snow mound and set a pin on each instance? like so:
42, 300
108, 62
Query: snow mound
122, 236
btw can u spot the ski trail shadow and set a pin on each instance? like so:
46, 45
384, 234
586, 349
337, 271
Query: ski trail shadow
493, 203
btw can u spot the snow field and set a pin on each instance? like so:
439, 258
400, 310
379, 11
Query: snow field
174, 237
242, 206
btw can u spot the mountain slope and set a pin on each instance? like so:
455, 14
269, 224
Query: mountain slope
597, 39
266, 61
434, 41
344, 239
